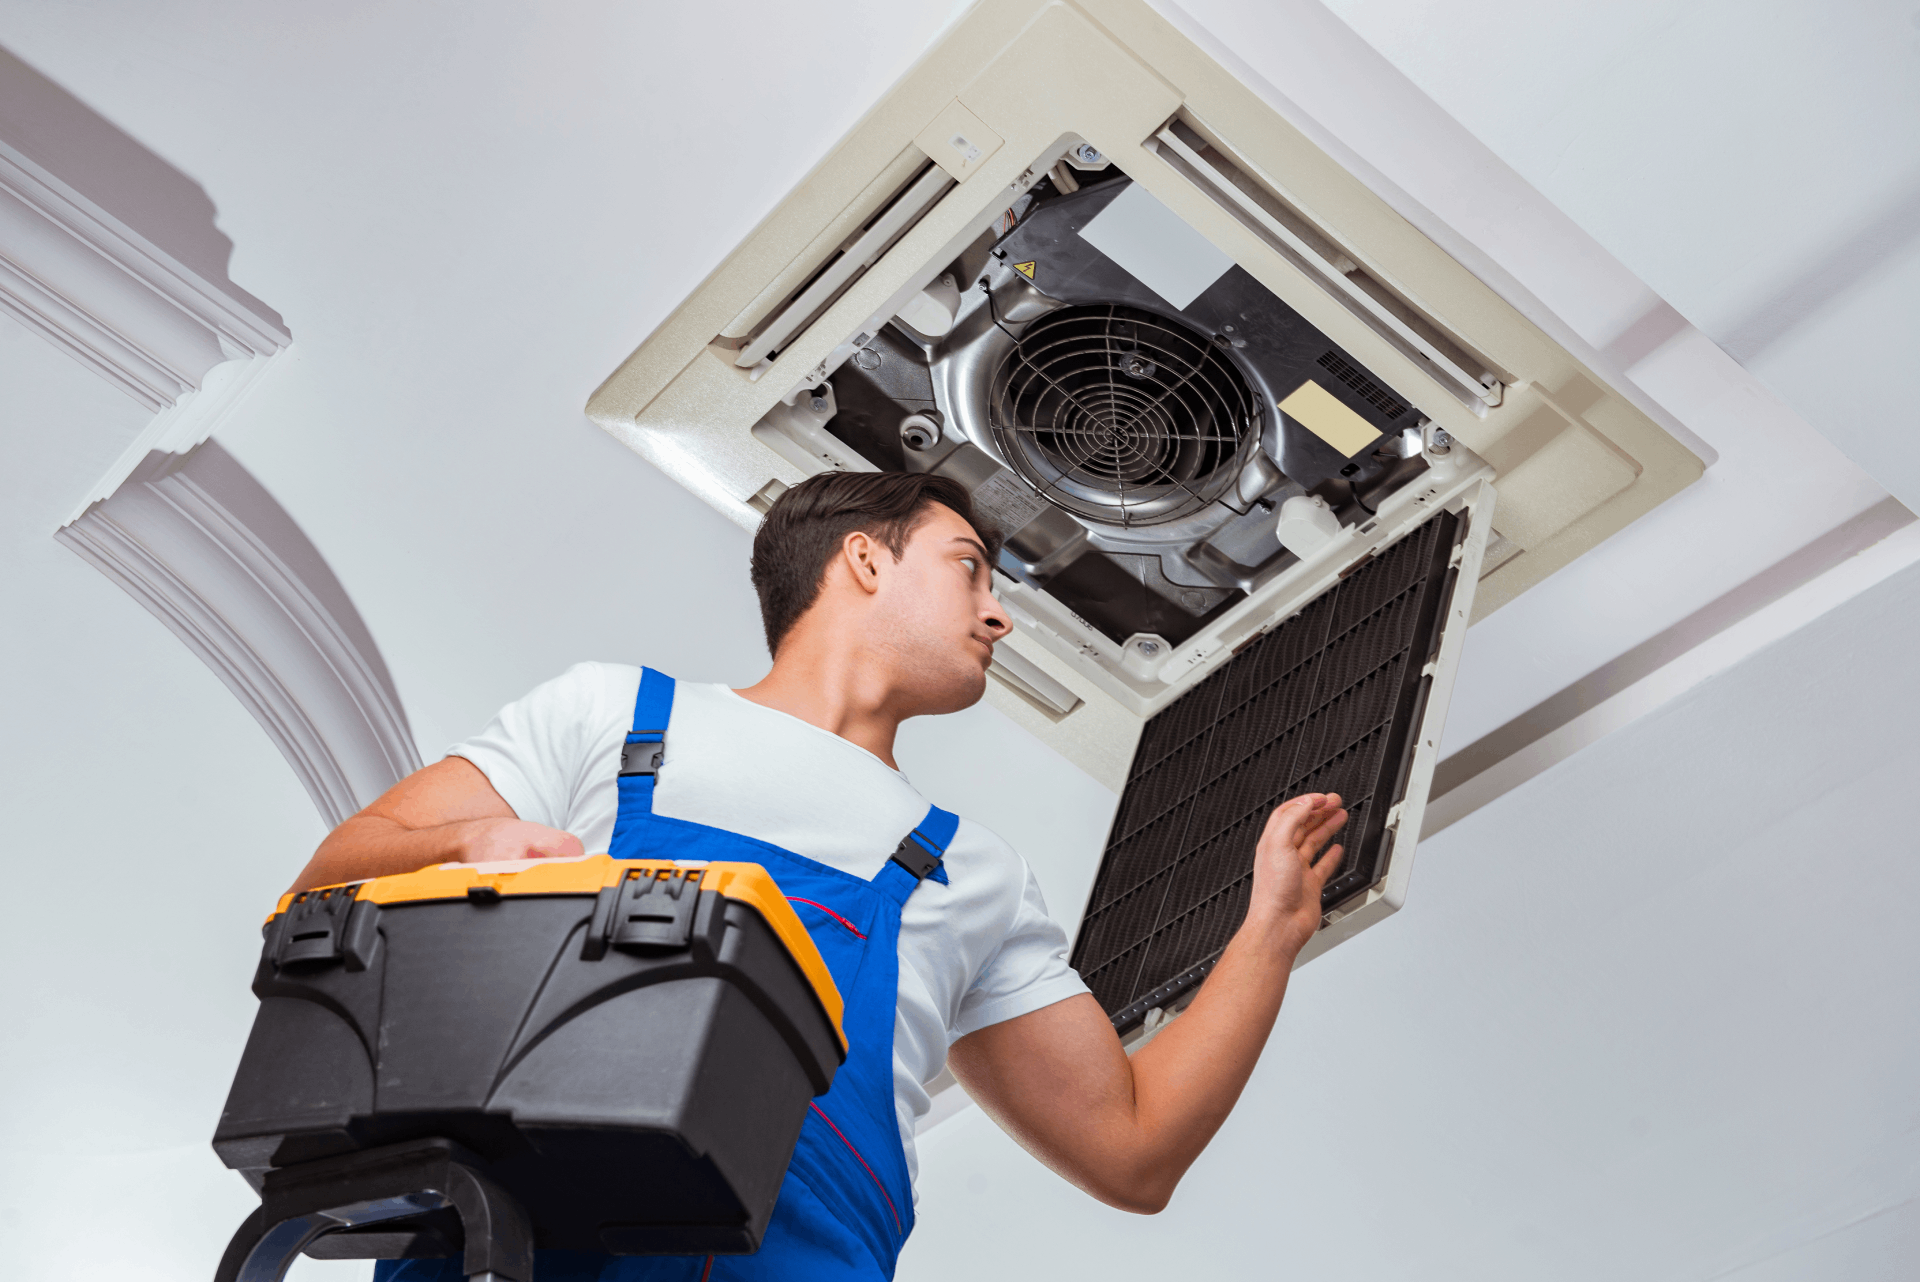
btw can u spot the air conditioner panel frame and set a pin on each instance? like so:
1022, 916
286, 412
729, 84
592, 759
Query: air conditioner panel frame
1043, 75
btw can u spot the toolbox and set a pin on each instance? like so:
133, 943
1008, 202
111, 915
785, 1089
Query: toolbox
621, 1052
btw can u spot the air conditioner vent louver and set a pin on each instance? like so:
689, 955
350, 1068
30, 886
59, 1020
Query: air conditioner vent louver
1122, 416
1363, 387
1327, 702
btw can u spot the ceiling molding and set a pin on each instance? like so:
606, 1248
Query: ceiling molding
111, 298
208, 551
1847, 560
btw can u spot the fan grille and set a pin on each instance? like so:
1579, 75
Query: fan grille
1121, 416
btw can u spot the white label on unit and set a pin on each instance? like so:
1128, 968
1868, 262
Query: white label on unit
1157, 246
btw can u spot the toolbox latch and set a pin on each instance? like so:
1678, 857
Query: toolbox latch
313, 928
653, 909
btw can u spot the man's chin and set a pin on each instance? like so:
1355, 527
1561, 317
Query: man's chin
966, 691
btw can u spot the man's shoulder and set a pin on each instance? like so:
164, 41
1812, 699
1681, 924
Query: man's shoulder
987, 857
590, 680
588, 696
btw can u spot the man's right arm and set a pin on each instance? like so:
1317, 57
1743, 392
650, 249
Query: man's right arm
443, 813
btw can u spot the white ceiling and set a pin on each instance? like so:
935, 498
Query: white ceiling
1613, 1034
1757, 164
1648, 1017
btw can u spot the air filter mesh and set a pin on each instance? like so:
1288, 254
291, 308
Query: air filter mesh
1327, 702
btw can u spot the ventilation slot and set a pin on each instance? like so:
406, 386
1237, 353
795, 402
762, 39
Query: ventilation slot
1362, 386
844, 268
1293, 236
1329, 701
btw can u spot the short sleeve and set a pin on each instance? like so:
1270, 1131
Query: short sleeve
538, 751
1026, 972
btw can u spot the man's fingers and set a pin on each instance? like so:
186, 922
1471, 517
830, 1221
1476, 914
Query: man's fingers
1330, 823
1329, 863
1284, 824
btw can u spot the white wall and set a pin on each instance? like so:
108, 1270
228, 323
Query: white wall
1649, 1016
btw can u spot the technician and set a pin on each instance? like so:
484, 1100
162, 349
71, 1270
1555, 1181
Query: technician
876, 593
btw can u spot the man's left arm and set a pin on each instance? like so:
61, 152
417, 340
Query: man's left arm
1126, 1129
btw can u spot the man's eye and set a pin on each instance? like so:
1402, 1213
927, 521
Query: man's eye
973, 566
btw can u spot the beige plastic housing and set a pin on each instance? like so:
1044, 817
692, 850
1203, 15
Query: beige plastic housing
1012, 89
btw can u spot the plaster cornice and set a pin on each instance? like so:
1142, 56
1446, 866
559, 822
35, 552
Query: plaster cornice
203, 546
109, 297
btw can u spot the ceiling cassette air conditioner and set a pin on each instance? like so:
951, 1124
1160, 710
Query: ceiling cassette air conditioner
1240, 425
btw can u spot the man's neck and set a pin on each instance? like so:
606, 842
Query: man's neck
843, 693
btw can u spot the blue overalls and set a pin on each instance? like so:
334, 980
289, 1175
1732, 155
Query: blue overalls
846, 1206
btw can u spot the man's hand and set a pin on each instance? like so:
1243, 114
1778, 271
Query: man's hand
486, 841
445, 813
1287, 880
1125, 1130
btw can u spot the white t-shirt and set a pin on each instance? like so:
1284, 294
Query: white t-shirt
974, 952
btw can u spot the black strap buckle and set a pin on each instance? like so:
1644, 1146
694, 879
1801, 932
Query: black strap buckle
915, 858
643, 758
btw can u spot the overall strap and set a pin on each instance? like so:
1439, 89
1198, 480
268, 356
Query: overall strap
646, 744
920, 852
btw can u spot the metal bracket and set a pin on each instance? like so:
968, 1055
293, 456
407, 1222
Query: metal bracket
334, 1196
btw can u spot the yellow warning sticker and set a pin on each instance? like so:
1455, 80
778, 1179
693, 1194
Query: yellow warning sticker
1025, 269
1314, 408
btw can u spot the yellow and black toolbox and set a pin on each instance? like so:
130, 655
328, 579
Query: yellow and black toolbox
592, 1054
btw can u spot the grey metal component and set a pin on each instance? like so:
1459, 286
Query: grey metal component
300, 1204
1121, 416
962, 367
1117, 459
919, 432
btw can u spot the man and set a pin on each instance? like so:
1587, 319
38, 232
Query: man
876, 594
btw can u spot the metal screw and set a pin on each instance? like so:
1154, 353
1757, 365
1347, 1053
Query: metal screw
819, 404
1086, 154
1147, 648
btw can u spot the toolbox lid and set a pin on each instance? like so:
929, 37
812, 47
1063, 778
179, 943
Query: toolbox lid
748, 884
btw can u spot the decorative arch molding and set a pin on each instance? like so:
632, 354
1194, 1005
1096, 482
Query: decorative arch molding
205, 548
115, 257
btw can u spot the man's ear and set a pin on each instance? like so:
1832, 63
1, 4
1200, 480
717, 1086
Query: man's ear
861, 554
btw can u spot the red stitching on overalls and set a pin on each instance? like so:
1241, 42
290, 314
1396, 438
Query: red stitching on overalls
708, 1271
897, 1226
829, 912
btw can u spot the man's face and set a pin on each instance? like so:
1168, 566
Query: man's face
938, 614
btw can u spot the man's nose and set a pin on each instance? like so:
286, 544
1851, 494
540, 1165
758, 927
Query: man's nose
995, 617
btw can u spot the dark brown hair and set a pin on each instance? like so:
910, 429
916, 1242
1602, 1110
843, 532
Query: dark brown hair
806, 525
